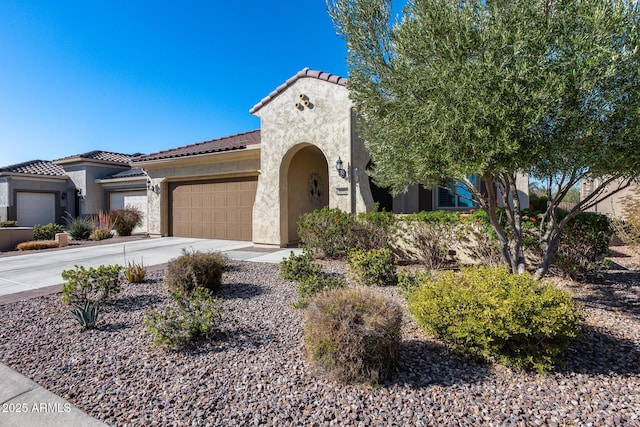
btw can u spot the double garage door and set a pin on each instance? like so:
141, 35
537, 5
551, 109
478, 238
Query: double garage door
215, 209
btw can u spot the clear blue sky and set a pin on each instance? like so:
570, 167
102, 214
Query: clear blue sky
144, 76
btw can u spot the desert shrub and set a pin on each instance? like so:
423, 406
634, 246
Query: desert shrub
196, 269
193, 317
135, 273
376, 267
125, 220
492, 315
7, 224
37, 244
328, 232
378, 230
315, 283
46, 232
297, 267
101, 233
627, 225
432, 242
79, 228
583, 246
354, 334
90, 284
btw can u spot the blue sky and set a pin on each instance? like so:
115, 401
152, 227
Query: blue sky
143, 76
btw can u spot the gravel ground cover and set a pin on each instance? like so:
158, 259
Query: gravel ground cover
255, 372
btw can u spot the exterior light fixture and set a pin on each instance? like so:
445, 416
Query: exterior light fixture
340, 169
155, 188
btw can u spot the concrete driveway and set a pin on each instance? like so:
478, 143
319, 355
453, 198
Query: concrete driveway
35, 270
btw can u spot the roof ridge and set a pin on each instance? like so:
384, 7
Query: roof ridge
305, 72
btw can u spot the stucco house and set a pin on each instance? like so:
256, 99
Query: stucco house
255, 185
42, 191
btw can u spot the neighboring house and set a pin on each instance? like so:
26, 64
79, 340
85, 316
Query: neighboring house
255, 185
35, 192
40, 192
613, 205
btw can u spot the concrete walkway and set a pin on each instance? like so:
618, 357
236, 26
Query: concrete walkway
23, 403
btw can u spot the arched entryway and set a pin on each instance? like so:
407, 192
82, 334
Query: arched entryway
306, 185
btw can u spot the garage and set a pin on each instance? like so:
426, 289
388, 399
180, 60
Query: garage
35, 208
214, 209
133, 199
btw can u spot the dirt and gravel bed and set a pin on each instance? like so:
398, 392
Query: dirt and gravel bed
255, 374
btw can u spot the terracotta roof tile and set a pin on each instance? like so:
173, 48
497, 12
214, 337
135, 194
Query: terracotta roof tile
129, 173
305, 72
227, 143
34, 167
103, 156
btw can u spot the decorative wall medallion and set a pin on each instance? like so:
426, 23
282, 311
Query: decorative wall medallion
314, 190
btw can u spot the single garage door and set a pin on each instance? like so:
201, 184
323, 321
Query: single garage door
35, 208
134, 199
217, 209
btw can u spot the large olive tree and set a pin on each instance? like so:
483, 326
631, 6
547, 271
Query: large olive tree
493, 89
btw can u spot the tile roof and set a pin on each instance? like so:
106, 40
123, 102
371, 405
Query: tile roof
34, 167
97, 155
129, 173
305, 72
227, 143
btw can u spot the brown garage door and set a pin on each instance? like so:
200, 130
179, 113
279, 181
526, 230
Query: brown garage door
219, 209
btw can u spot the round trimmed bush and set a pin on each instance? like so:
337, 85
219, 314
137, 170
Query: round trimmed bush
353, 334
492, 315
196, 269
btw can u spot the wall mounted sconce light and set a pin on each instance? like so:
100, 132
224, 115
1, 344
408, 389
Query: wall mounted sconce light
340, 168
79, 193
63, 196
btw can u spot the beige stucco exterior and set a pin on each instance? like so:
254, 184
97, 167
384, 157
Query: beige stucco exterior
613, 204
289, 128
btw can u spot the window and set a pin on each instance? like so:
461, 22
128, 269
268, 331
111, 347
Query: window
456, 196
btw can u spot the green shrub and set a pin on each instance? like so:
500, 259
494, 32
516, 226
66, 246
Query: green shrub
46, 232
7, 224
196, 269
87, 314
354, 334
125, 220
101, 233
135, 273
315, 283
584, 244
194, 316
297, 267
328, 232
79, 228
36, 245
376, 267
492, 315
90, 284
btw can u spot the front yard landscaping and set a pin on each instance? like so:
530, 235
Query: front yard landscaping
254, 371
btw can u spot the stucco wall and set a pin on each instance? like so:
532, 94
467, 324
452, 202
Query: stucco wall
326, 124
612, 205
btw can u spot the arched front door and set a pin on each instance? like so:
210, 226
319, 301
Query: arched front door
307, 185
